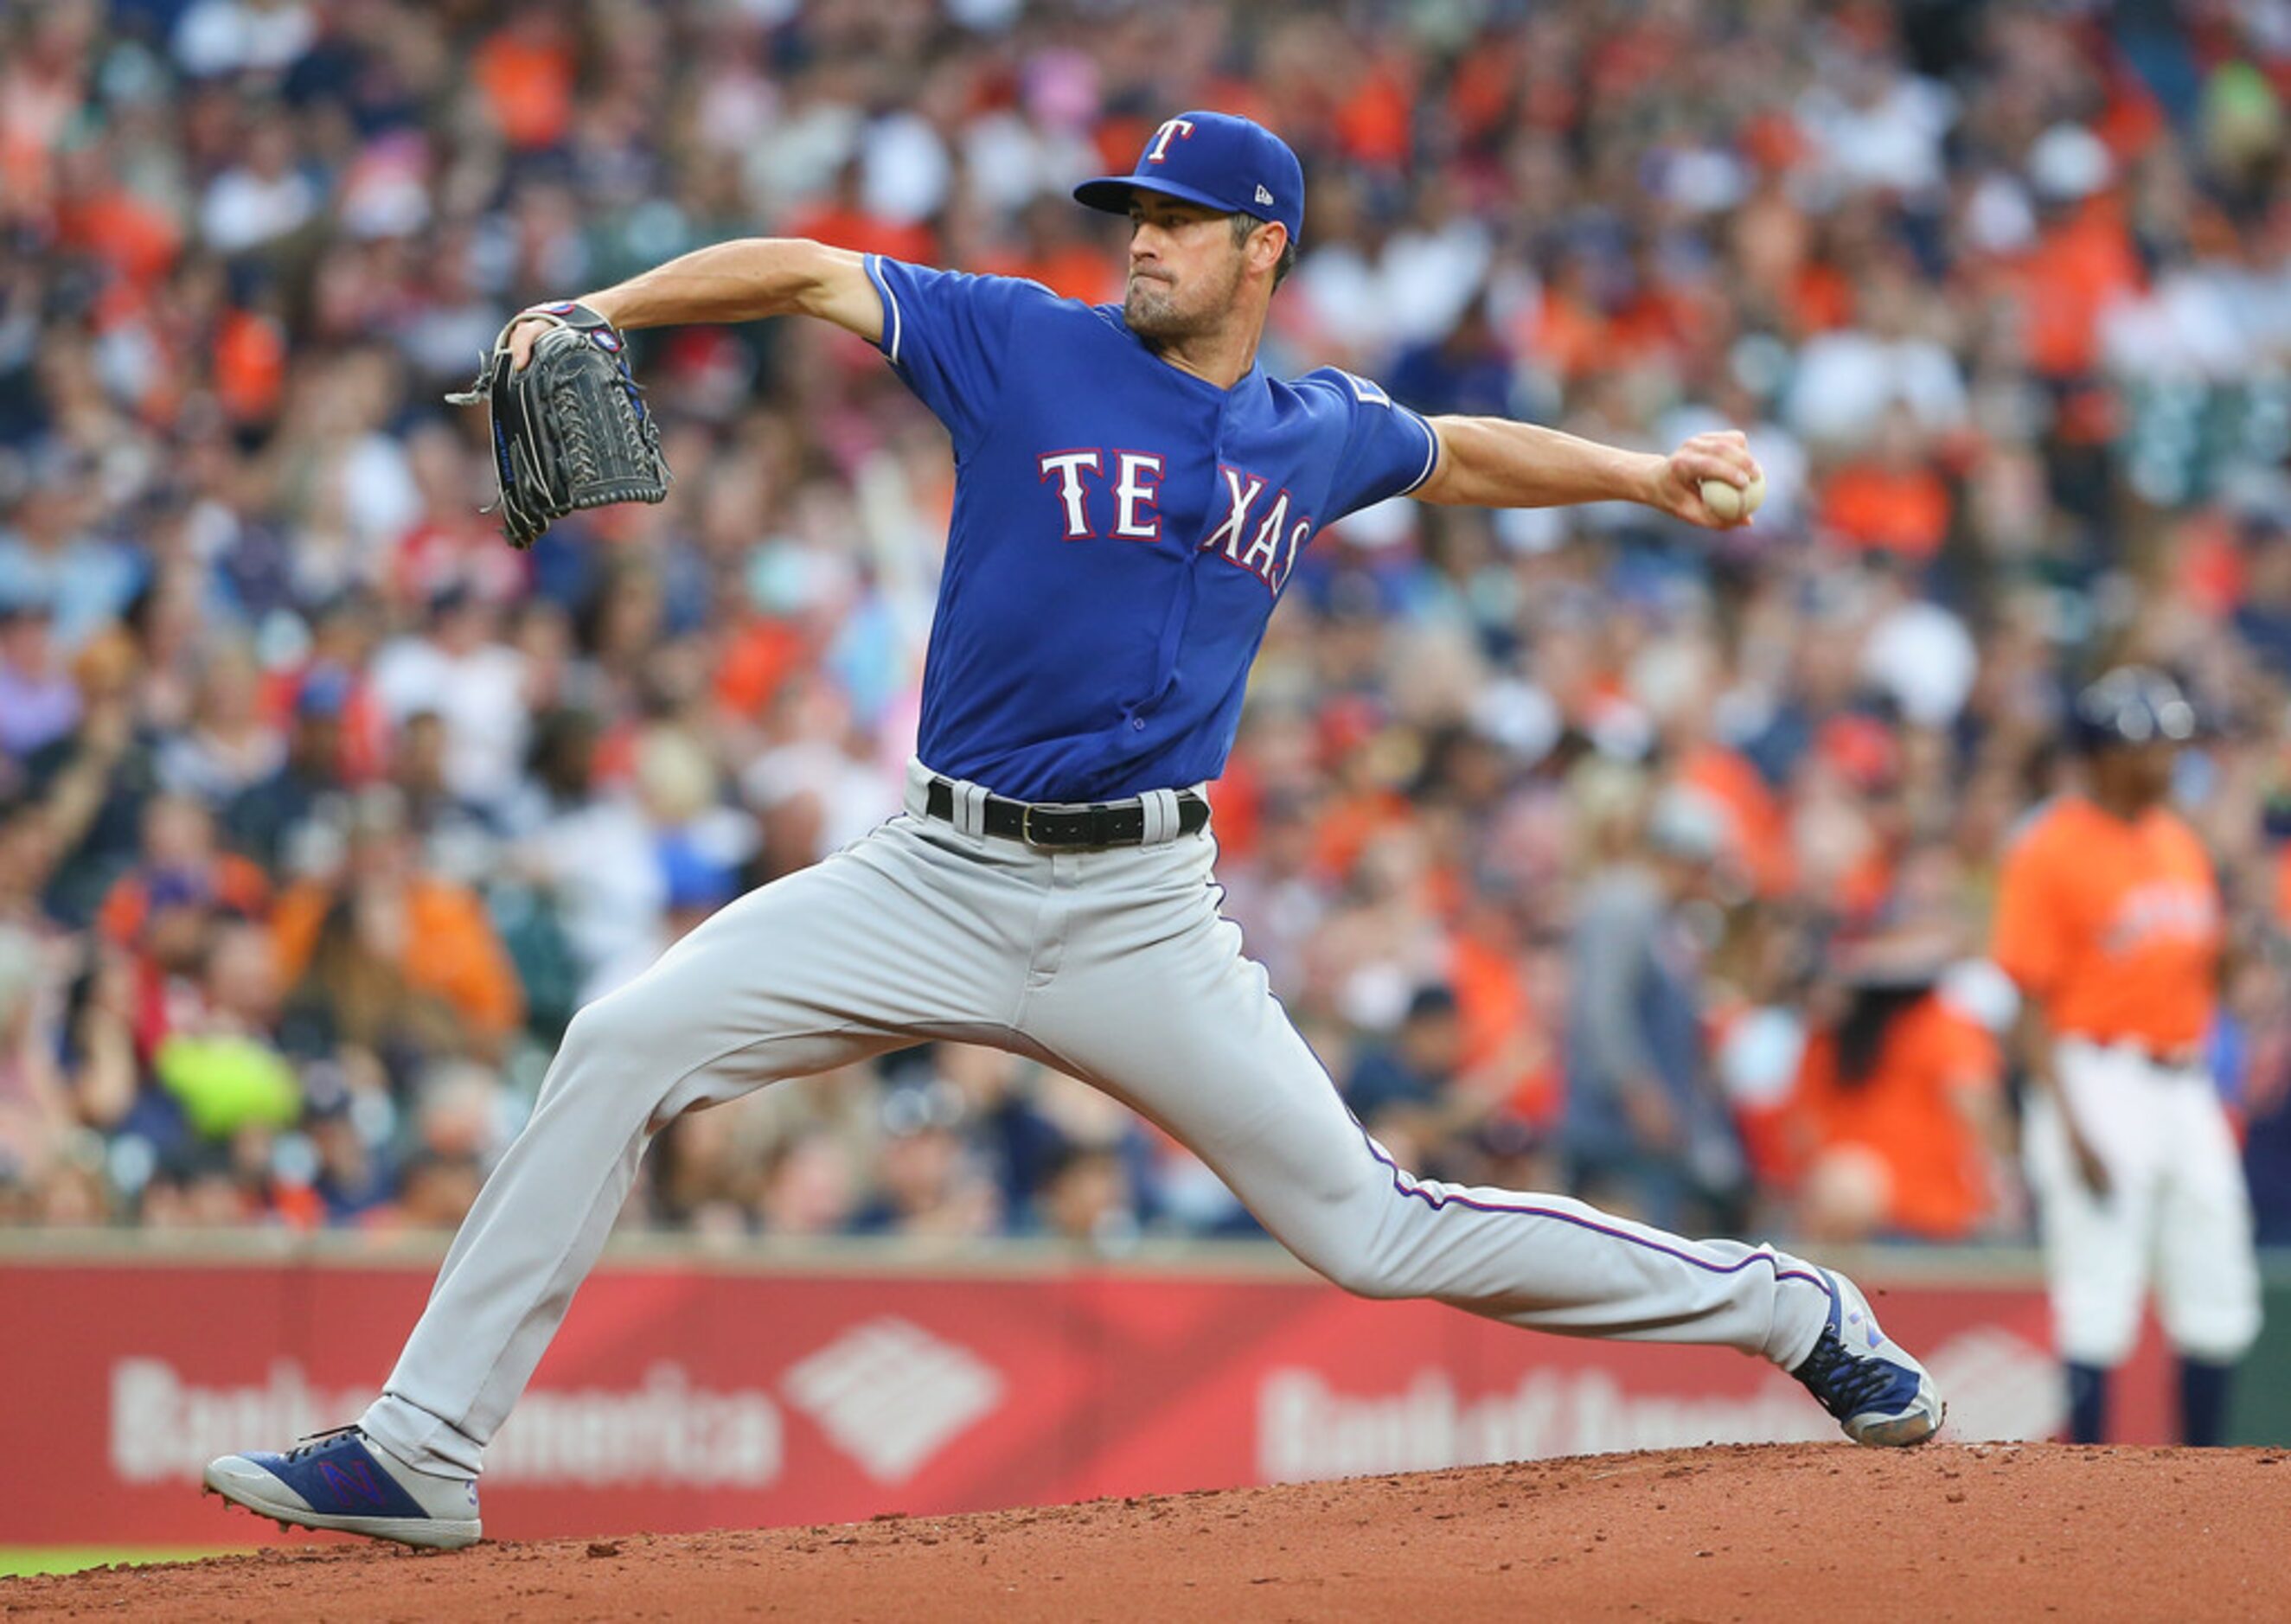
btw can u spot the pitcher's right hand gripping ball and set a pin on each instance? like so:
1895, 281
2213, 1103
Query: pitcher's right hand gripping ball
570, 427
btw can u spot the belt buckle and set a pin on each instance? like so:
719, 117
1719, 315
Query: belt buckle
1027, 824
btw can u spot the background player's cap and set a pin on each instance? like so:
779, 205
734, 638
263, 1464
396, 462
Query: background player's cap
1218, 160
2132, 704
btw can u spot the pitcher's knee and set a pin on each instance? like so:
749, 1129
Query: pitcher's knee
1364, 1272
616, 1029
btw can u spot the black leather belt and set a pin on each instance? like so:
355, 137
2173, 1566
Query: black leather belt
1117, 823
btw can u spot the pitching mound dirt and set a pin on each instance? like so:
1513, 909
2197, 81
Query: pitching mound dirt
1949, 1532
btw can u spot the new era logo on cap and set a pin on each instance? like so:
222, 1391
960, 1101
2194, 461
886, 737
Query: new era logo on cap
1218, 160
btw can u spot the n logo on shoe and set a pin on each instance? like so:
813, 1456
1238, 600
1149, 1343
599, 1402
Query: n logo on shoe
355, 1481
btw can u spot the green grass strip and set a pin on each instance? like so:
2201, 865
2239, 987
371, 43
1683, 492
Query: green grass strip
18, 1560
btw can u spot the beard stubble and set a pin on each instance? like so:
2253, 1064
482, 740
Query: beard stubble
1161, 317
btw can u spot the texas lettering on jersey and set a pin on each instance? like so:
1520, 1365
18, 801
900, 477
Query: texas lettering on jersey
1264, 543
1121, 530
1136, 492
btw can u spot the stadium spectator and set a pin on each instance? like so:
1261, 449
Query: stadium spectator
1086, 1199
387, 955
38, 697
1417, 1068
808, 1186
458, 671
1901, 1097
1643, 1132
929, 1186
273, 818
2000, 300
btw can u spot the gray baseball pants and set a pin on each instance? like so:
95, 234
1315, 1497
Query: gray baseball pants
1113, 966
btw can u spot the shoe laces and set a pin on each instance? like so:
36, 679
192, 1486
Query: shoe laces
315, 1442
1845, 1383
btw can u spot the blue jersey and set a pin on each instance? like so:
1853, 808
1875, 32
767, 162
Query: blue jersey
1122, 531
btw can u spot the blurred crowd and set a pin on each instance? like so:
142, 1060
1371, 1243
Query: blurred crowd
1591, 852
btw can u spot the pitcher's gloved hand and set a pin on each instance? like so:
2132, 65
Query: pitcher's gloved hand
570, 426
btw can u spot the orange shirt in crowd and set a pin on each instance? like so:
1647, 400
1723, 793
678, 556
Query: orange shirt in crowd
849, 226
760, 655
2208, 564
1905, 511
1906, 1114
1237, 808
135, 238
1351, 824
1496, 1014
1481, 94
1376, 124
1072, 270
1822, 300
1659, 322
1762, 832
1567, 334
528, 83
2067, 279
250, 366
2112, 926
1077, 270
451, 949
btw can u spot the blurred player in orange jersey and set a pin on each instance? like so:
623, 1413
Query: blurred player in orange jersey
2108, 919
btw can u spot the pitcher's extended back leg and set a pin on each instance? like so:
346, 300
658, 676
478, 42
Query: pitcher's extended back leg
1212, 1056
814, 971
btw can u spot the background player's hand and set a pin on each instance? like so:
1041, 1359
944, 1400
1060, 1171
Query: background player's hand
1723, 455
2089, 1167
1652, 1122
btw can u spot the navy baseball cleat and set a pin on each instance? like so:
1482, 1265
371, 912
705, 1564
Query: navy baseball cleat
345, 1481
1880, 1393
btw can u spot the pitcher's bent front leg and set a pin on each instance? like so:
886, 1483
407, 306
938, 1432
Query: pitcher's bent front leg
814, 971
1176, 1023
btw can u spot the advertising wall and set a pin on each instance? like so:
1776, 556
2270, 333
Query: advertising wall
681, 1397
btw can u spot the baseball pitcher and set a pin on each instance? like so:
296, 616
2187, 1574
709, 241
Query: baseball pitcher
2108, 919
1132, 494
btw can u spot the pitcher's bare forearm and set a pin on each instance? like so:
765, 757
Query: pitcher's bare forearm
1494, 462
749, 280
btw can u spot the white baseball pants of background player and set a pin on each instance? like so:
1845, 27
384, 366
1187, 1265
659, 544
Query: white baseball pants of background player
2176, 1204
1111, 965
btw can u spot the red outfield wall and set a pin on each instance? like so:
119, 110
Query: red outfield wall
680, 1398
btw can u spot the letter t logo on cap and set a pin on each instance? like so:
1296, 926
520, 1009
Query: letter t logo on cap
1163, 136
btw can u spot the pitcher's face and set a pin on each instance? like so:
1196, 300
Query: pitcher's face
1185, 268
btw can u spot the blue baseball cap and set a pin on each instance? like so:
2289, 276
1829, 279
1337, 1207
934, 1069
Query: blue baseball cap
1221, 161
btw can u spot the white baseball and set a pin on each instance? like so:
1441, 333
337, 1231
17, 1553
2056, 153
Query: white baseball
1730, 503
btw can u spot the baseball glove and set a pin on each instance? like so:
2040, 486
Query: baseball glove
570, 428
